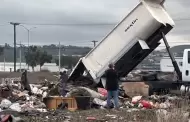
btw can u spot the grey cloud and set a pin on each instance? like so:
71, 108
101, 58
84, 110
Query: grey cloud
76, 12
184, 3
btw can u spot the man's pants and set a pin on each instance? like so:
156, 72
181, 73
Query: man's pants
63, 92
115, 96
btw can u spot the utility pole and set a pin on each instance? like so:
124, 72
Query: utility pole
20, 56
59, 56
94, 43
14, 24
4, 63
28, 43
28, 31
4, 59
20, 44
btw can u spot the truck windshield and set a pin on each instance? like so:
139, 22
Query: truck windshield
189, 57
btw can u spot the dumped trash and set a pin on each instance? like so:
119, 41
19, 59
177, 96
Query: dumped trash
102, 91
90, 118
136, 99
133, 109
5, 104
146, 104
86, 98
21, 100
111, 116
16, 107
77, 92
99, 102
5, 90
83, 91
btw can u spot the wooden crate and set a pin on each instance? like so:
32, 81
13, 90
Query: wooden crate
53, 102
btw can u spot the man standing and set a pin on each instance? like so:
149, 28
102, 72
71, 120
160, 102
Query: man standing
112, 86
63, 78
25, 83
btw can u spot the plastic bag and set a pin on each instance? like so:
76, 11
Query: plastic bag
99, 102
146, 104
136, 99
5, 104
15, 107
102, 91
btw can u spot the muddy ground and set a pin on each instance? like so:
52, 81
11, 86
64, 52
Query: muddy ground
123, 115
33, 77
82, 116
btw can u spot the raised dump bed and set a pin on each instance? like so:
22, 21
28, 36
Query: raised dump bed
133, 39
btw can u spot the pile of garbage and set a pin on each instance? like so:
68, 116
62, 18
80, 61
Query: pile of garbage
28, 98
13, 97
153, 102
99, 97
140, 102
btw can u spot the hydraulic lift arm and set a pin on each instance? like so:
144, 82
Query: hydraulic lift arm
176, 67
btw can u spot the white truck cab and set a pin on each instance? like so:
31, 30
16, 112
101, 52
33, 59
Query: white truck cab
186, 65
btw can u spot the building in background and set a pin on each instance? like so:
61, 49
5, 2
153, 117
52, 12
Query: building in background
52, 67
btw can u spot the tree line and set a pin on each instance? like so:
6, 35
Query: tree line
37, 56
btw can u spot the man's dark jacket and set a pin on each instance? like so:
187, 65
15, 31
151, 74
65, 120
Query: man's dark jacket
111, 80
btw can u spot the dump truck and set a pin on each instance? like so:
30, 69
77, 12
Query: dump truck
132, 40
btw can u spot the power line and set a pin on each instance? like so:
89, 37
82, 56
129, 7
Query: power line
88, 43
83, 24
86, 24
70, 24
4, 25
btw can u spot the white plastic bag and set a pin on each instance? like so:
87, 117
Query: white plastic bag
99, 102
5, 104
136, 99
15, 107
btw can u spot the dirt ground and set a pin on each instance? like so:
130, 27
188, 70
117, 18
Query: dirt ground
104, 115
123, 115
33, 77
98, 114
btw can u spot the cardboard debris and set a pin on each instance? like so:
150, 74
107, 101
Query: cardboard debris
136, 88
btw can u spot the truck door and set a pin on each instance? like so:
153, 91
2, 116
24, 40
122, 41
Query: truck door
186, 65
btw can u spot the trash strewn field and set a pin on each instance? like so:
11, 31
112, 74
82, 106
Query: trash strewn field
18, 105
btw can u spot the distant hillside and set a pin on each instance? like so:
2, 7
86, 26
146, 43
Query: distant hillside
70, 50
51, 49
180, 48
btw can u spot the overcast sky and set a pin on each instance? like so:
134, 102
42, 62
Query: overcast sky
78, 12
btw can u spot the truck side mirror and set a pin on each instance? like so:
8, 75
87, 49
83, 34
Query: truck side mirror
187, 72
